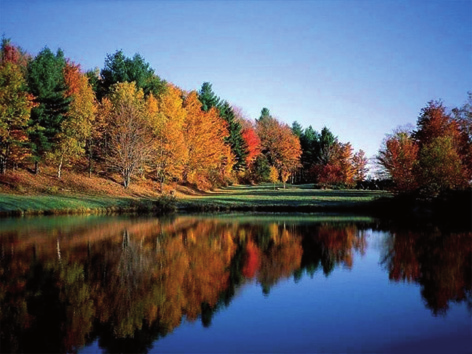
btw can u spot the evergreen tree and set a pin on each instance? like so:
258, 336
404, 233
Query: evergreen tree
324, 147
297, 129
261, 169
235, 139
207, 97
265, 113
47, 84
309, 140
119, 68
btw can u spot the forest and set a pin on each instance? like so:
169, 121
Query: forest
125, 119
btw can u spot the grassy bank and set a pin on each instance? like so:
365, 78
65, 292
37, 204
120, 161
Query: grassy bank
11, 205
24, 193
264, 197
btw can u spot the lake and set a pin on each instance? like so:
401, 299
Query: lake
235, 283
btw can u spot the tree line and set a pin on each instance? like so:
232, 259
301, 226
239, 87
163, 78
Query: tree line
434, 157
124, 118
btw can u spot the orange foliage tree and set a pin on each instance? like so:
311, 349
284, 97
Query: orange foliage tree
280, 145
398, 158
209, 159
340, 168
359, 164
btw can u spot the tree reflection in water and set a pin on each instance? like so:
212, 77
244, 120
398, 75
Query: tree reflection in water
440, 262
131, 282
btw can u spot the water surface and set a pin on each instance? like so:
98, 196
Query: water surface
233, 283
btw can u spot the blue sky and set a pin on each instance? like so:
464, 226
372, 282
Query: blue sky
361, 68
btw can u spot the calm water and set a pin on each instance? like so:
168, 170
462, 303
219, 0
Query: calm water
231, 284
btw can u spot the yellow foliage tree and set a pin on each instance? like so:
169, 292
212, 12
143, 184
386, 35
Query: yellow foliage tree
129, 133
167, 117
274, 175
15, 108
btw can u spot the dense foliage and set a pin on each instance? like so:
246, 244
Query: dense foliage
436, 156
125, 119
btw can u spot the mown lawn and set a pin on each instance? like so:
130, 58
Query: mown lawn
243, 198
293, 197
56, 203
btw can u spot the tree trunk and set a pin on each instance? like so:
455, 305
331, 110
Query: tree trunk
3, 165
126, 179
59, 169
90, 167
90, 156
36, 167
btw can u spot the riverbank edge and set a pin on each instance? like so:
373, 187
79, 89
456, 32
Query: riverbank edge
452, 207
63, 205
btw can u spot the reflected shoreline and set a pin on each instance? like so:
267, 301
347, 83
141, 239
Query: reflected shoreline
67, 281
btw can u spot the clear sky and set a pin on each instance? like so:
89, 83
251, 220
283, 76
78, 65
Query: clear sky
361, 68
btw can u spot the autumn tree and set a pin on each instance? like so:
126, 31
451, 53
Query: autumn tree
98, 141
76, 127
235, 140
274, 175
129, 132
47, 84
15, 107
440, 166
339, 169
398, 158
443, 155
252, 144
167, 117
433, 158
279, 144
359, 164
209, 158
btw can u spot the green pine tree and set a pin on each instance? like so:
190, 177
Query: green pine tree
235, 138
207, 97
119, 68
46, 83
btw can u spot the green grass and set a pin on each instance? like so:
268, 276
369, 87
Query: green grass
52, 204
242, 198
264, 197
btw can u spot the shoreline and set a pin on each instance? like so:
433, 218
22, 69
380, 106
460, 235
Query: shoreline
457, 208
